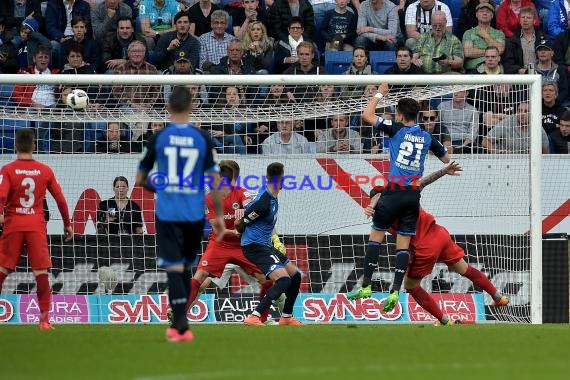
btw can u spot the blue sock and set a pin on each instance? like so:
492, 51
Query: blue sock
370, 262
292, 292
178, 300
280, 286
402, 257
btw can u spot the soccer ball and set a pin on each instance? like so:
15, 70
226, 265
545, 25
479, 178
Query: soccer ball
77, 99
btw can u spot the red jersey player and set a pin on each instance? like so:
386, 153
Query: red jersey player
23, 185
432, 243
227, 251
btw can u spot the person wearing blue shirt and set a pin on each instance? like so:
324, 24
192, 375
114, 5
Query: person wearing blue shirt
400, 200
256, 227
185, 163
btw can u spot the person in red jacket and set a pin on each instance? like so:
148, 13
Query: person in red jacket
508, 16
37, 96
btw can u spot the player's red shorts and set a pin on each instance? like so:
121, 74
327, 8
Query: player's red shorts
439, 247
216, 257
36, 244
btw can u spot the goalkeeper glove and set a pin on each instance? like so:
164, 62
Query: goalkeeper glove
277, 244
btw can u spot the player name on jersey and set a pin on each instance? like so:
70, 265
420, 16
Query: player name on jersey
25, 211
412, 138
28, 172
181, 140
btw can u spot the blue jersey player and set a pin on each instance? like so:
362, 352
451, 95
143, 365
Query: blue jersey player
257, 228
183, 155
400, 200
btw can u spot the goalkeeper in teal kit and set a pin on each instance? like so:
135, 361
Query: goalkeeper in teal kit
400, 200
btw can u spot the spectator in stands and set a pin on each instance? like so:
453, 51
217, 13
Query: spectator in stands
491, 65
258, 47
312, 128
285, 141
119, 215
156, 17
40, 95
419, 19
438, 51
76, 65
508, 14
234, 63
114, 140
275, 95
105, 16
179, 40
230, 138
551, 108
247, 14
137, 96
429, 121
116, 45
549, 70
476, 39
404, 64
321, 7
468, 18
519, 50
494, 104
561, 47
560, 137
286, 50
14, 12
91, 52
339, 138
8, 59
511, 135
378, 25
59, 14
461, 120
359, 66
214, 44
305, 66
139, 142
181, 66
201, 17
557, 21
339, 27
281, 14
26, 45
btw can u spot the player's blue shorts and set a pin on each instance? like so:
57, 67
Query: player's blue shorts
178, 242
393, 205
266, 258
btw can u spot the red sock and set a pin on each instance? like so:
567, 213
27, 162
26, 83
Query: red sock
264, 288
194, 289
479, 279
44, 296
2, 278
425, 301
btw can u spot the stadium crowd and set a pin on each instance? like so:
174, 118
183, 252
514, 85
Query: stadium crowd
292, 37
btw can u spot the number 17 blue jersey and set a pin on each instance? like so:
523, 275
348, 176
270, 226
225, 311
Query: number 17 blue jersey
409, 146
183, 155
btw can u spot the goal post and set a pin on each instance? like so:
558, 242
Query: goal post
328, 243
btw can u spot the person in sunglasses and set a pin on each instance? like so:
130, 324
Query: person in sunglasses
429, 121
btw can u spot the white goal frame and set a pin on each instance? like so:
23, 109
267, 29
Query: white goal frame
535, 104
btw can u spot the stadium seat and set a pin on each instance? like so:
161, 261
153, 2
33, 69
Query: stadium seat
382, 60
337, 62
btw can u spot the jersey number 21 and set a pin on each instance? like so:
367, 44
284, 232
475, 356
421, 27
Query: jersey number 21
407, 153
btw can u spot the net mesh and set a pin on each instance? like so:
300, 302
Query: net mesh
322, 224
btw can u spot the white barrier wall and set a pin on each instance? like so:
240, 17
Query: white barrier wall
490, 197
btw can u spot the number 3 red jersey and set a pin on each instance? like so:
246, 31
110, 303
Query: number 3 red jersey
236, 199
23, 185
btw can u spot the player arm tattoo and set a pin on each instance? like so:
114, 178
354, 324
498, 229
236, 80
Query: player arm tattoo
452, 169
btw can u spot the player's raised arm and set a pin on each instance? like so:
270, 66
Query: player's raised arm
452, 169
369, 113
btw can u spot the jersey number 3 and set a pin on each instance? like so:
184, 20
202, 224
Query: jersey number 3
30, 185
175, 154
407, 152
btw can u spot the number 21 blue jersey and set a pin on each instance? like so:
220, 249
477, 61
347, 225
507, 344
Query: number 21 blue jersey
183, 154
409, 146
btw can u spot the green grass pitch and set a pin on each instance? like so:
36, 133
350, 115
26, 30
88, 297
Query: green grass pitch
308, 352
